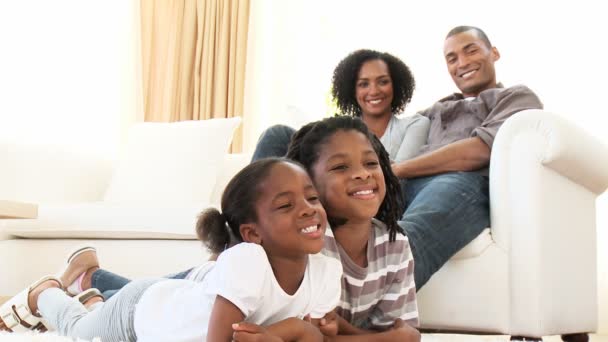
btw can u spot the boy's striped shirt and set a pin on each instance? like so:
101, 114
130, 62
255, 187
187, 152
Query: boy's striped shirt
373, 297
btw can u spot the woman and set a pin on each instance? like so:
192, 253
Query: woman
375, 86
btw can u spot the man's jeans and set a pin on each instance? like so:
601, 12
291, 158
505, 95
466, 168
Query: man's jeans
443, 214
109, 283
273, 142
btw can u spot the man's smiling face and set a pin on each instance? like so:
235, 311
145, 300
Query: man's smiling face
470, 62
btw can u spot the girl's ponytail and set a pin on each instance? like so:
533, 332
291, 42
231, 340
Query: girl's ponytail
211, 229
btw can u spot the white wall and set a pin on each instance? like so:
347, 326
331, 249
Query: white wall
69, 71
557, 48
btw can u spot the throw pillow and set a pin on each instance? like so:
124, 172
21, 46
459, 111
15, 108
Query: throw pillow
171, 162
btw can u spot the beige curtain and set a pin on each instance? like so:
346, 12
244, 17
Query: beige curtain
194, 55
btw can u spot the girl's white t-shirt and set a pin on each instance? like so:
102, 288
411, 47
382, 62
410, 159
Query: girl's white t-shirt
179, 310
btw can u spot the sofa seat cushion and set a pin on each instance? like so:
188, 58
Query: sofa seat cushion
475, 247
102, 220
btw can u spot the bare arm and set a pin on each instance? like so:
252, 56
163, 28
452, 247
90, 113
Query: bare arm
223, 315
464, 155
399, 332
289, 330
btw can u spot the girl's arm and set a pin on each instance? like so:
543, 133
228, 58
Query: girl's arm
288, 330
223, 315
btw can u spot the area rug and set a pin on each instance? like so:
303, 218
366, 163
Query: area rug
51, 337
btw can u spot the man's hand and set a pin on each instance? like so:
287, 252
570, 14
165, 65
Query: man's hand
248, 332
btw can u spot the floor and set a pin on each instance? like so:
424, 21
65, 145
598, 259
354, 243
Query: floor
425, 338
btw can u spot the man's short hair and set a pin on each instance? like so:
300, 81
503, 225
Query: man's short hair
460, 29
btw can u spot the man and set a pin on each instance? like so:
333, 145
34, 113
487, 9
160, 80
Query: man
446, 186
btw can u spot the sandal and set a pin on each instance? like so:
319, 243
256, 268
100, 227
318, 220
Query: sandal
15, 314
86, 298
79, 262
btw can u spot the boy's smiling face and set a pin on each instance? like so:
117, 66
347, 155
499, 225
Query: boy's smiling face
348, 176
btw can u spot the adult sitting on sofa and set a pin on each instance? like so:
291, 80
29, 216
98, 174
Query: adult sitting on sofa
446, 185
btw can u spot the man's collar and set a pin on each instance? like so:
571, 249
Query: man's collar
459, 96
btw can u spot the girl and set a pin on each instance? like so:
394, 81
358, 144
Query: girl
269, 281
376, 87
362, 197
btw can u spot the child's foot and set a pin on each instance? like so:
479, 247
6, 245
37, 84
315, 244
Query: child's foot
90, 298
32, 297
19, 314
80, 267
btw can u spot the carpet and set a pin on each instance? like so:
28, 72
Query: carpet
51, 337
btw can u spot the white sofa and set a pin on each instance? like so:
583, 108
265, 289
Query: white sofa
533, 273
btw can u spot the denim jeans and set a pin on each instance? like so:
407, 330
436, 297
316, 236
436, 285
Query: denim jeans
109, 283
443, 214
273, 142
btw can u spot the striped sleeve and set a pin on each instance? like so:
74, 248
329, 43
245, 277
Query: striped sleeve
399, 298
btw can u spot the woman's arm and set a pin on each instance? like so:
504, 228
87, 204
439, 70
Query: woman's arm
415, 136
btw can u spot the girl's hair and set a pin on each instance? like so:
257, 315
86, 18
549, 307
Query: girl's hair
306, 145
347, 71
220, 230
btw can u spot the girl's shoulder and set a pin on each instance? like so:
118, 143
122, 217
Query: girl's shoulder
324, 263
244, 252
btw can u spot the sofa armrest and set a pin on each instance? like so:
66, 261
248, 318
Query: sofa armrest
545, 176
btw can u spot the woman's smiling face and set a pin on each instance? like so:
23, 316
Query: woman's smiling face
374, 88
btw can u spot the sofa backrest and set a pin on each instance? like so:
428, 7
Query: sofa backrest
51, 173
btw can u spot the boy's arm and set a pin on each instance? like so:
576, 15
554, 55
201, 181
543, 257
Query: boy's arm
399, 332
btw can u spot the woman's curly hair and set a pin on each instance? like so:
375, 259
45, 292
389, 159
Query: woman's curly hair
345, 79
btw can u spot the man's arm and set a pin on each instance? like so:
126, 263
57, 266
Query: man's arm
464, 155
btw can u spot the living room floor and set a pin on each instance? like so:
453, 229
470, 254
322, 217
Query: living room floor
434, 337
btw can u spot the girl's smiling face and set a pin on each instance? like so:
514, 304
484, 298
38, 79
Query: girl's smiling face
291, 219
349, 178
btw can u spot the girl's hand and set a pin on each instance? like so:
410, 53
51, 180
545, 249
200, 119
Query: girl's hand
248, 332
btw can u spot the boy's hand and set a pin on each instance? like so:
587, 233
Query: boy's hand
404, 332
248, 332
329, 324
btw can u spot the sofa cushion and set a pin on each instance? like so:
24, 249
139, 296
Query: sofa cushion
99, 220
475, 247
171, 162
